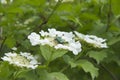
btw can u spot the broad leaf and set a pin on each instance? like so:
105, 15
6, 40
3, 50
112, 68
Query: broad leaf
57, 76
98, 56
115, 6
88, 67
44, 75
4, 70
69, 61
114, 40
50, 53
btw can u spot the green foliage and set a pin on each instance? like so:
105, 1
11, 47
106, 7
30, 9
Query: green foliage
57, 76
98, 56
97, 17
50, 54
84, 64
4, 71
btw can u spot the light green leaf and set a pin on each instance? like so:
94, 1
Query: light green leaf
4, 70
50, 53
88, 67
98, 56
57, 76
115, 6
52, 76
10, 42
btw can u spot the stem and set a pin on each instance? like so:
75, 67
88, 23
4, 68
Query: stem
13, 76
109, 16
2, 44
45, 21
62, 70
75, 59
109, 72
48, 62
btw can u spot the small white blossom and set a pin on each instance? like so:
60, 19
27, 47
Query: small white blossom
56, 39
34, 38
75, 47
52, 32
91, 39
5, 1
14, 48
65, 0
43, 33
23, 59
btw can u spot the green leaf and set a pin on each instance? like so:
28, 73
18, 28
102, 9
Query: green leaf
114, 40
69, 60
115, 6
57, 76
44, 75
10, 42
4, 71
88, 67
98, 56
50, 53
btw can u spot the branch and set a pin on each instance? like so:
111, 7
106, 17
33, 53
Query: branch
109, 72
109, 16
2, 43
46, 21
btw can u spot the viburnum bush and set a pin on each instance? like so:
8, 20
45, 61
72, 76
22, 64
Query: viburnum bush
55, 44
59, 40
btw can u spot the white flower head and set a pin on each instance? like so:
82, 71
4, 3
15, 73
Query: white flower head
91, 39
5, 1
56, 39
14, 48
23, 59
65, 0
34, 38
75, 47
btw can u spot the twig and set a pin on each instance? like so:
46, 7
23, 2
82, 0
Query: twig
109, 16
45, 21
75, 59
109, 72
2, 43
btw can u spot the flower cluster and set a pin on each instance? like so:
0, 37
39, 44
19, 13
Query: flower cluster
65, 0
65, 40
93, 40
23, 59
6, 1
56, 39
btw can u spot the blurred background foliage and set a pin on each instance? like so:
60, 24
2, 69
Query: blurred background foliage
97, 17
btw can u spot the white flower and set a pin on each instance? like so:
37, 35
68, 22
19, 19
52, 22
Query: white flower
52, 32
91, 39
75, 47
5, 1
65, 0
57, 39
23, 59
68, 36
14, 48
43, 33
34, 38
